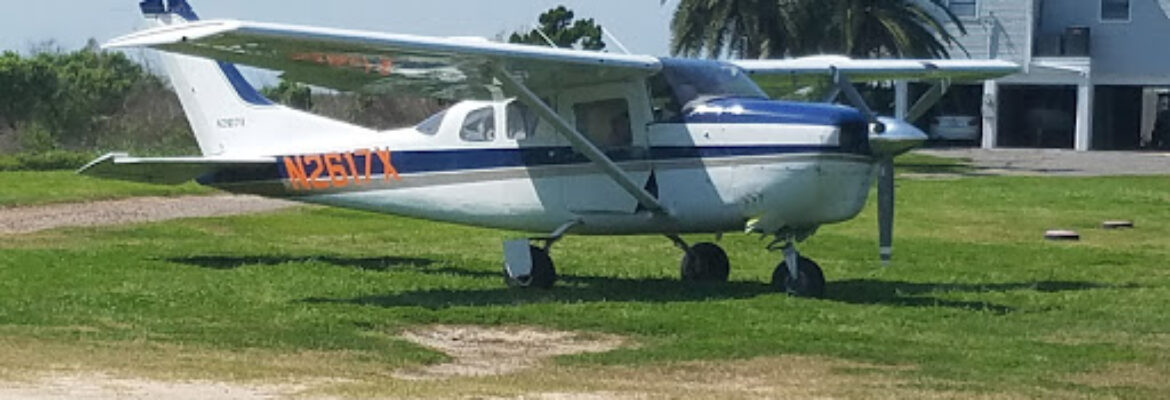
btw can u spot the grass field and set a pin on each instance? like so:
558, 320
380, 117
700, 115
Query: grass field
976, 304
19, 188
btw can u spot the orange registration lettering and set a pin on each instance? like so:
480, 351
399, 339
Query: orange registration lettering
388, 168
369, 157
315, 176
296, 173
357, 176
336, 169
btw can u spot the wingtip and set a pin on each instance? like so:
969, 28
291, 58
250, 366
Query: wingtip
172, 34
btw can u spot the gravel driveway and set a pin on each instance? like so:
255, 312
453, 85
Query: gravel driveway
19, 220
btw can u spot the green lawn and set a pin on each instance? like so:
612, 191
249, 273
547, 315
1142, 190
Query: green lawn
976, 302
31, 188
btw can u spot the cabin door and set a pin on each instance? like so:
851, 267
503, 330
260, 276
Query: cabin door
615, 118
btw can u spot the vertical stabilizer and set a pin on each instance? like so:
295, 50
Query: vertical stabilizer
228, 115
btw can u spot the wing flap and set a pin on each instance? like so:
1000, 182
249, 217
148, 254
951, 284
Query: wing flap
350, 60
167, 171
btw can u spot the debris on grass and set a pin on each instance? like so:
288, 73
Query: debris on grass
1062, 235
1117, 224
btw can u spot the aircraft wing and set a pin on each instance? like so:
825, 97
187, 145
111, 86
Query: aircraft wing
170, 170
374, 62
880, 70
778, 76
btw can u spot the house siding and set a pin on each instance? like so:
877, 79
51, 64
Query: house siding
1000, 30
1123, 53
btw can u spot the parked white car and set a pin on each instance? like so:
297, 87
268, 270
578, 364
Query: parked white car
955, 127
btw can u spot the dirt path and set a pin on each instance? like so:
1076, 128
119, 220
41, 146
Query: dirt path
18, 220
480, 351
93, 386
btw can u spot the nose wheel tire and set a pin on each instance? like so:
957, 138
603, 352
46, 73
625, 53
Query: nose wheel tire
705, 262
542, 276
809, 282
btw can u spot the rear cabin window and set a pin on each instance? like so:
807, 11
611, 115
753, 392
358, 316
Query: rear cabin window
480, 126
522, 122
606, 123
431, 125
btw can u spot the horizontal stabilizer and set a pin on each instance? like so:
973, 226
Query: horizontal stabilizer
168, 170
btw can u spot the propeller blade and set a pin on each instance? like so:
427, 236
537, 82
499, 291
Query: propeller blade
886, 209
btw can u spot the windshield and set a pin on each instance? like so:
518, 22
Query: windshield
703, 79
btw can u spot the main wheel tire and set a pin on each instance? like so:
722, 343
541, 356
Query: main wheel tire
706, 262
810, 280
542, 276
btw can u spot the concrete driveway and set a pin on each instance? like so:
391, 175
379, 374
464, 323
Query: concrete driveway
1060, 162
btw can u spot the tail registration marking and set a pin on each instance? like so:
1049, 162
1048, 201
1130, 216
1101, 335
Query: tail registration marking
338, 170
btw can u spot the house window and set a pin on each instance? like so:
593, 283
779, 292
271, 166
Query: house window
1115, 10
964, 8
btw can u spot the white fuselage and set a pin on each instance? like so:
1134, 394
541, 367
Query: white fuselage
710, 177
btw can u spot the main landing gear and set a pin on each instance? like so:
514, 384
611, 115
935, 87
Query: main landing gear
528, 265
541, 275
796, 275
703, 262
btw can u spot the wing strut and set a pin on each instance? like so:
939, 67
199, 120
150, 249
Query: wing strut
580, 142
928, 100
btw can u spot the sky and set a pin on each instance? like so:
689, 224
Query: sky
642, 25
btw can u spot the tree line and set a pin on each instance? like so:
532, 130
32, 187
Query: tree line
84, 100
93, 101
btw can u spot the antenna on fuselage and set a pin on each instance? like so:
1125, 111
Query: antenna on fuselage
546, 38
615, 40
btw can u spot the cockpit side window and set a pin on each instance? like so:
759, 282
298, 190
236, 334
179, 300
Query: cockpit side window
665, 105
522, 122
606, 123
431, 125
480, 126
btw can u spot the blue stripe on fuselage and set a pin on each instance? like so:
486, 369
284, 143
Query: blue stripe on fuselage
408, 162
431, 161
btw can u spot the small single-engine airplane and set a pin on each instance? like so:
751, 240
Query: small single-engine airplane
545, 140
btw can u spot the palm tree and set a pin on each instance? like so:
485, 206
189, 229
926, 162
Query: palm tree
780, 28
897, 28
742, 28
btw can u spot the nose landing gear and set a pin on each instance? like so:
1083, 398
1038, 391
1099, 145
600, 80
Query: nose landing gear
796, 275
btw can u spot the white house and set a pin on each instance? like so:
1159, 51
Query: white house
1093, 71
